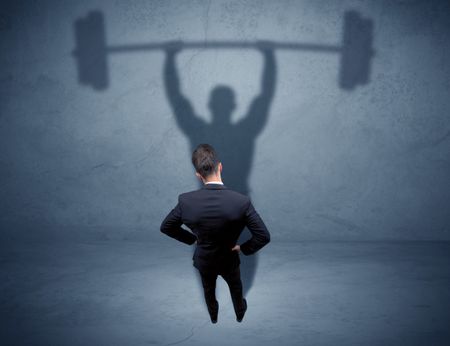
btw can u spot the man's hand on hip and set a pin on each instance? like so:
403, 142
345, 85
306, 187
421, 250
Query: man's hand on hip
236, 248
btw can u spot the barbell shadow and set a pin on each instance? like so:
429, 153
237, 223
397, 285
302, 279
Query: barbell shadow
355, 50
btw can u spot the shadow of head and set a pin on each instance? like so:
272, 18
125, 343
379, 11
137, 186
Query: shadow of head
222, 104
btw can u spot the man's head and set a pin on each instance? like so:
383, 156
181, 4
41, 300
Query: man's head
206, 162
221, 103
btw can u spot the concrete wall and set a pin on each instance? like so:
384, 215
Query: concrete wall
328, 163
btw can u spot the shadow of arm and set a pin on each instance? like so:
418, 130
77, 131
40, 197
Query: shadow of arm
258, 113
181, 107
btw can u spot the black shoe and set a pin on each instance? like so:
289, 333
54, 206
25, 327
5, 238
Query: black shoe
240, 316
213, 316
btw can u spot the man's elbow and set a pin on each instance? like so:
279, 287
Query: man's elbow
163, 228
266, 238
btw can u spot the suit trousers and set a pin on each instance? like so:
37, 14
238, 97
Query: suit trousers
233, 279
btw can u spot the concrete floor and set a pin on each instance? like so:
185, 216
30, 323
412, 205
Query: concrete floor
143, 293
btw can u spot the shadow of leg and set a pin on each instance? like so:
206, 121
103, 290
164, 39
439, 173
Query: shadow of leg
248, 264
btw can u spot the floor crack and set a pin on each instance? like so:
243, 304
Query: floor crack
189, 336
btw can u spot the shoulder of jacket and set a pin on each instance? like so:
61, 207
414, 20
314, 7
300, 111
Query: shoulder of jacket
244, 199
186, 194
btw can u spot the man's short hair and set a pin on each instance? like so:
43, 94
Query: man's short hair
205, 160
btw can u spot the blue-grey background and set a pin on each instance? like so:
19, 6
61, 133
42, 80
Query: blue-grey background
353, 185
330, 164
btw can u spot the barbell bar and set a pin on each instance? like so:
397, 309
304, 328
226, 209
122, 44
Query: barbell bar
356, 49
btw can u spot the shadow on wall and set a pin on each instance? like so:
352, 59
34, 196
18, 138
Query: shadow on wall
234, 142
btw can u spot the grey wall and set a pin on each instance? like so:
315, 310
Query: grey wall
329, 163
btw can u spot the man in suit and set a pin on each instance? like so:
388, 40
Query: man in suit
216, 215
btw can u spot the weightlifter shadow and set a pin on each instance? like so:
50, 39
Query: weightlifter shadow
234, 142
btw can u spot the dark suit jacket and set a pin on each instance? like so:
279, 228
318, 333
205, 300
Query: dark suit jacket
216, 215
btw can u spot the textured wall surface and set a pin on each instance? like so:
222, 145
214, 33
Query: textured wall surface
327, 163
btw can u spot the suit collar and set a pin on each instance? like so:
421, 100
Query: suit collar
213, 187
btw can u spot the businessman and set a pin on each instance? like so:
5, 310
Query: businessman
216, 215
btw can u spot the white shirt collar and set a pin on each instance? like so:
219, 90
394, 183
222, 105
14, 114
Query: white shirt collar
214, 182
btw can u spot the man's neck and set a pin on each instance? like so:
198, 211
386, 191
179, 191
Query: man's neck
213, 180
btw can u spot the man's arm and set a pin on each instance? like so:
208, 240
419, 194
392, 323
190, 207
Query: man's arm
172, 227
260, 234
